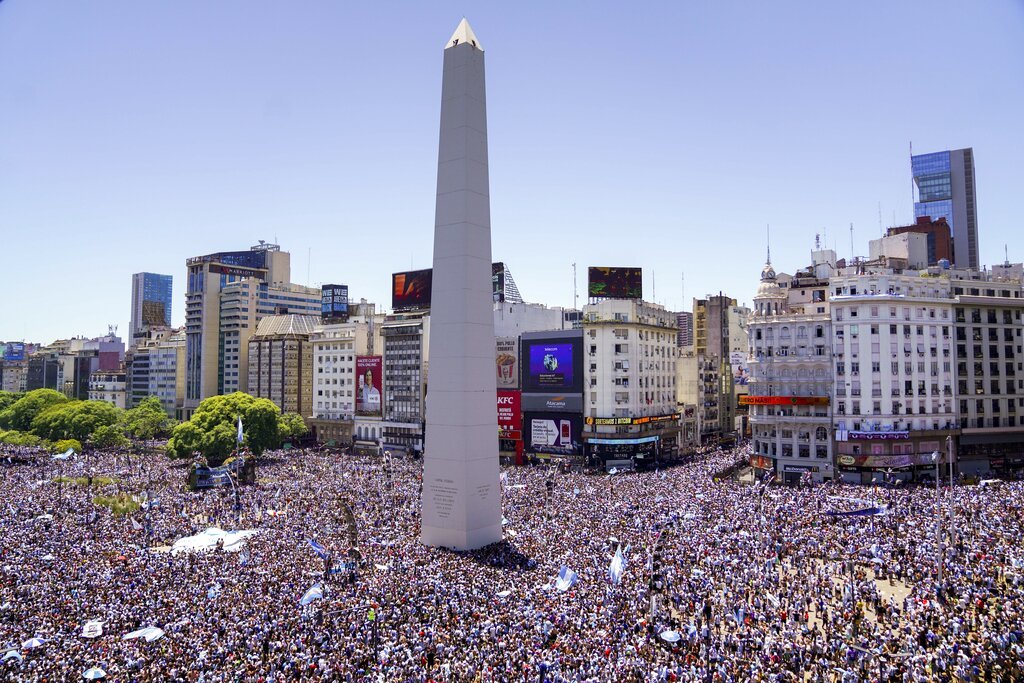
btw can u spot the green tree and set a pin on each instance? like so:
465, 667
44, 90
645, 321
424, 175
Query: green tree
7, 399
64, 444
212, 429
19, 415
110, 437
16, 438
147, 420
291, 426
74, 419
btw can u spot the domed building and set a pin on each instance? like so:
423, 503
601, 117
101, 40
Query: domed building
791, 376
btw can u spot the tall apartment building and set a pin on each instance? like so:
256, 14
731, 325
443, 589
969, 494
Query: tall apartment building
893, 346
406, 350
156, 367
989, 375
281, 362
944, 188
719, 331
631, 412
791, 377
151, 303
684, 321
335, 383
227, 294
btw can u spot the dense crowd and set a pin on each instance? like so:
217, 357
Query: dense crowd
752, 582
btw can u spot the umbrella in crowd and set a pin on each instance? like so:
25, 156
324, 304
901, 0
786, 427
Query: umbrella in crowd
94, 674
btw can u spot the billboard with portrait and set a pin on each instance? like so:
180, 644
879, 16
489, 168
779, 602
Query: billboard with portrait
14, 352
369, 385
615, 283
334, 302
410, 290
553, 365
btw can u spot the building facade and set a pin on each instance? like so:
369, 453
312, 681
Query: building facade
894, 390
944, 188
151, 303
791, 378
109, 387
156, 367
406, 350
335, 349
631, 410
281, 362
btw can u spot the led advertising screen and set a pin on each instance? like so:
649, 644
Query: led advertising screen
369, 375
410, 290
551, 366
334, 302
557, 433
615, 283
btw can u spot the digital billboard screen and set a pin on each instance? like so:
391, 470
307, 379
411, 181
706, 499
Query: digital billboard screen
615, 283
410, 290
552, 364
334, 302
510, 414
369, 374
557, 433
15, 351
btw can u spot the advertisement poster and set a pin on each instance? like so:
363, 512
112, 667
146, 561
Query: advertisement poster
507, 362
369, 383
334, 302
740, 371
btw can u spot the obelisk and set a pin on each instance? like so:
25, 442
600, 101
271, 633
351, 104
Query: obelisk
461, 501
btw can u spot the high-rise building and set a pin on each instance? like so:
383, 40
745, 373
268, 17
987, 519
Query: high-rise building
281, 362
227, 294
684, 321
944, 188
156, 367
151, 303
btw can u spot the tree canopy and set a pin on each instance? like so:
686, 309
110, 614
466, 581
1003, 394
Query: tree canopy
213, 428
291, 426
20, 414
7, 399
147, 420
110, 437
73, 419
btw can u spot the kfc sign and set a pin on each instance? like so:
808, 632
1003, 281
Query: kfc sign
510, 412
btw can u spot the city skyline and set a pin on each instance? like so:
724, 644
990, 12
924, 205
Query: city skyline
138, 137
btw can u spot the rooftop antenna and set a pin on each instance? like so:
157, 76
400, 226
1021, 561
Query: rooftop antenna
768, 227
817, 241
682, 291
851, 242
309, 257
654, 288
912, 212
1006, 255
880, 229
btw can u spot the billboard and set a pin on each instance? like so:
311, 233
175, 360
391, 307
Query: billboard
556, 433
615, 283
553, 365
740, 370
410, 290
334, 302
783, 400
369, 374
510, 415
507, 362
15, 351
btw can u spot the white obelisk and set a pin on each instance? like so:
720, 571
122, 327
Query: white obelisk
461, 493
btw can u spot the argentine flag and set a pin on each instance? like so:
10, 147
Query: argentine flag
617, 567
567, 578
316, 592
319, 549
239, 430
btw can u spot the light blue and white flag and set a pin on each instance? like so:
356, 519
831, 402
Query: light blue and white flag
239, 430
617, 567
65, 455
319, 549
214, 591
316, 592
243, 558
567, 578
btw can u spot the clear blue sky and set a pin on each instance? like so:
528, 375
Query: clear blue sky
134, 135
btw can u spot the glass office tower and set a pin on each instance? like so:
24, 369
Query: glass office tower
944, 188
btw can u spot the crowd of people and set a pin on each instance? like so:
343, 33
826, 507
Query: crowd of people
723, 581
